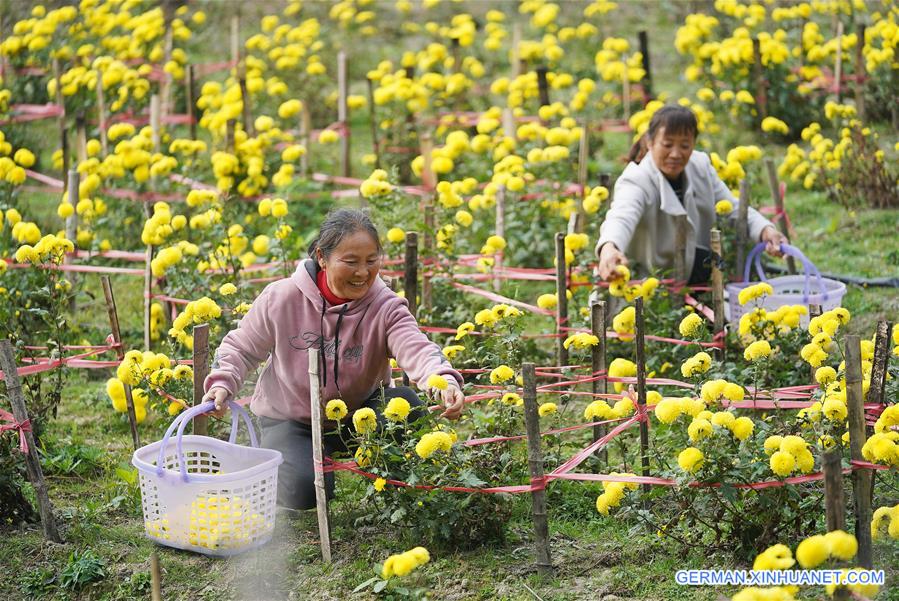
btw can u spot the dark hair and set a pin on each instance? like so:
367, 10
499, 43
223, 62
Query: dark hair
675, 119
338, 224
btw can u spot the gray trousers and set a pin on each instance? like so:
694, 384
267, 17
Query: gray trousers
296, 476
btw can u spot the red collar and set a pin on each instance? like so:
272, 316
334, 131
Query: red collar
322, 280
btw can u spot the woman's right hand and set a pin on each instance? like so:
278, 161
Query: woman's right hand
609, 258
220, 396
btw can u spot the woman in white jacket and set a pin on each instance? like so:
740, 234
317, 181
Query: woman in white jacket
670, 180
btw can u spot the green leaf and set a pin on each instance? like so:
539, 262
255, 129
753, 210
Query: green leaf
366, 584
380, 586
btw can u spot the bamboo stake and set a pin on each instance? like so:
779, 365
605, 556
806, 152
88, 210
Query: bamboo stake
598, 362
742, 221
343, 112
74, 181
168, 43
32, 460
101, 117
155, 121
834, 507
761, 94
373, 123
155, 577
717, 281
643, 37
542, 85
235, 40
774, 185
120, 354
813, 311
562, 304
583, 157
881, 361
838, 64
63, 132
640, 328
428, 244
201, 370
246, 112
517, 67
862, 478
535, 465
305, 128
321, 494
626, 95
501, 232
860, 75
190, 94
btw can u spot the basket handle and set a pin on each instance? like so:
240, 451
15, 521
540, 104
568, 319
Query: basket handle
185, 417
789, 250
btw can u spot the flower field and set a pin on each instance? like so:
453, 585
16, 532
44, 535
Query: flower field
162, 162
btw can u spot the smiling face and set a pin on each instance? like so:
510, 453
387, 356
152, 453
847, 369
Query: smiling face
352, 267
671, 152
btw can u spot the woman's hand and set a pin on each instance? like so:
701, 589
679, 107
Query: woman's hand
609, 258
452, 400
773, 239
220, 396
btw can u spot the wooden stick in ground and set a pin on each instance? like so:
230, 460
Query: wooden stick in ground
860, 74
410, 279
583, 157
501, 232
32, 460
190, 99
373, 123
120, 354
838, 64
626, 95
321, 494
742, 224
781, 223
717, 281
305, 129
761, 93
562, 304
542, 85
640, 328
680, 249
813, 311
881, 361
246, 113
863, 479
834, 507
235, 40
643, 37
517, 66
201, 370
535, 465
148, 291
342, 112
101, 117
598, 362
155, 121
155, 577
63, 132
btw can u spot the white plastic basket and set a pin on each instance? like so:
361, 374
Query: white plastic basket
807, 289
207, 495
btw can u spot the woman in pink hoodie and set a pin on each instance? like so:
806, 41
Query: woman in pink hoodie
336, 304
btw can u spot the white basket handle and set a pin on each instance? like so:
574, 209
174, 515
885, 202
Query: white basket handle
184, 418
755, 255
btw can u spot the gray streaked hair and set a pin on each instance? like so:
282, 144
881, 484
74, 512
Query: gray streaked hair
338, 224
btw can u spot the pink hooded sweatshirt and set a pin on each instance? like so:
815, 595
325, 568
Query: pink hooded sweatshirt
291, 316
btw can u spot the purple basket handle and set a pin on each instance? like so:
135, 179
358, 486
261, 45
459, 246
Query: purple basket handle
755, 256
184, 418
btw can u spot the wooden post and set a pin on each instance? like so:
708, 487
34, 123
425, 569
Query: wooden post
542, 85
626, 95
680, 249
343, 112
781, 223
862, 478
155, 121
235, 40
246, 113
860, 75
583, 157
201, 370
32, 460
881, 360
761, 94
535, 465
229, 136
155, 577
834, 507
148, 289
501, 232
598, 362
517, 67
321, 494
562, 304
305, 129
74, 181
120, 354
742, 225
643, 37
165, 91
640, 328
717, 281
63, 132
428, 244
373, 123
838, 63
101, 117
813, 311
190, 99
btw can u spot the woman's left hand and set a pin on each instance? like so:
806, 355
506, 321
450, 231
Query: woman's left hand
453, 401
773, 239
